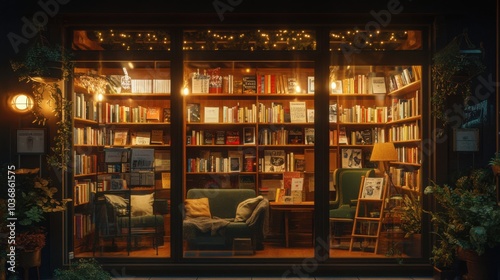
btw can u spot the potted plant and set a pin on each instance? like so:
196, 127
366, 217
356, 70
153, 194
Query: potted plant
468, 220
35, 197
495, 163
453, 69
411, 224
43, 63
82, 269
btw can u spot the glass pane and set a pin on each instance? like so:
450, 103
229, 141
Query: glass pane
121, 40
353, 41
375, 131
284, 40
248, 128
121, 159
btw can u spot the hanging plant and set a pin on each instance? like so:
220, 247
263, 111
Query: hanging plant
453, 71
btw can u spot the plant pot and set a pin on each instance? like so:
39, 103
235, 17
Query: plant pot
478, 267
29, 259
413, 245
495, 169
443, 274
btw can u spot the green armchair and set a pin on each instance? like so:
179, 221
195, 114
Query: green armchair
347, 182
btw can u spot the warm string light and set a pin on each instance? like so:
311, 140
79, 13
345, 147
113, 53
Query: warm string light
378, 40
250, 40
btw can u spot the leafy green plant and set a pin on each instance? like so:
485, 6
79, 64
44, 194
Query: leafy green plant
495, 160
452, 73
468, 216
83, 269
43, 60
411, 215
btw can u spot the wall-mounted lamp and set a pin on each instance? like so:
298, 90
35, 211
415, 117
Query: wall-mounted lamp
21, 103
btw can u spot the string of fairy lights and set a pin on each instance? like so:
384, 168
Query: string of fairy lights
282, 39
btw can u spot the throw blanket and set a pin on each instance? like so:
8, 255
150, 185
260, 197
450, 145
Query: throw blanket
213, 225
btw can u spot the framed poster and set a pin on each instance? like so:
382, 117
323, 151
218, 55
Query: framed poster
372, 188
351, 158
466, 139
30, 141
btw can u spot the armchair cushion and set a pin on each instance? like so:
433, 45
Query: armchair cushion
197, 207
141, 205
246, 207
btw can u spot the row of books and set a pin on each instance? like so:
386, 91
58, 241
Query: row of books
405, 132
82, 225
150, 86
409, 154
357, 137
84, 191
230, 114
403, 108
371, 83
84, 164
406, 178
403, 77
116, 113
282, 136
210, 137
216, 161
124, 137
362, 114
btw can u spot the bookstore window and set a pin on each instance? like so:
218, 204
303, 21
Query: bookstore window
375, 119
248, 126
121, 155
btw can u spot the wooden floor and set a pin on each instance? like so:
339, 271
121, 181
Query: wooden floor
271, 250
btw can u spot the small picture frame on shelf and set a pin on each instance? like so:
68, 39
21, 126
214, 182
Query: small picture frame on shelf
352, 158
310, 84
249, 135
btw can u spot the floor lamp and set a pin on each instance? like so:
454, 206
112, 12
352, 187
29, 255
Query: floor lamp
385, 153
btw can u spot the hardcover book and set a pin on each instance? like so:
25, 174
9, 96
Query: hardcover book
208, 138
211, 114
249, 84
298, 112
165, 180
309, 135
220, 137
295, 136
193, 112
156, 136
232, 137
153, 114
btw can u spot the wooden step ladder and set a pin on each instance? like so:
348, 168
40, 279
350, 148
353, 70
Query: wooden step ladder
369, 211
